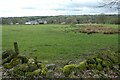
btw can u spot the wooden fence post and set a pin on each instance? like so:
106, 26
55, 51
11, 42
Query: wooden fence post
16, 48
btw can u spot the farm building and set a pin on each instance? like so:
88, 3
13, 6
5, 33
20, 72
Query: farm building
32, 22
36, 22
42, 21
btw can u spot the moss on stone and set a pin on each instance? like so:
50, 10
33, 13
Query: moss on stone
31, 61
98, 60
6, 53
32, 67
68, 69
99, 67
23, 58
23, 67
15, 61
40, 65
91, 60
94, 66
16, 72
82, 65
29, 74
7, 66
44, 71
37, 72
105, 63
33, 74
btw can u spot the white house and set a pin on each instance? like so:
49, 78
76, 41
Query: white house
16, 23
27, 22
45, 22
11, 23
32, 22
35, 22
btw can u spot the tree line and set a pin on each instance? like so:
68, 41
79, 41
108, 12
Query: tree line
65, 19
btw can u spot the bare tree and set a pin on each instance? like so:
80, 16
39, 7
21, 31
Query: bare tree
110, 4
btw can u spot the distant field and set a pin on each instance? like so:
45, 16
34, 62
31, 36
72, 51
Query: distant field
51, 43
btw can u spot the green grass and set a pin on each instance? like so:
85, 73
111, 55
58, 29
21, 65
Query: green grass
50, 43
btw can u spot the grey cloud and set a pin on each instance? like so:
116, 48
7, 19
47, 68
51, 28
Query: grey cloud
76, 6
79, 5
28, 8
59, 9
66, 9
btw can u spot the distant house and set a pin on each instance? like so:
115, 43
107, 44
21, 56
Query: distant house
42, 21
31, 22
63, 23
35, 22
27, 22
16, 23
11, 23
45, 22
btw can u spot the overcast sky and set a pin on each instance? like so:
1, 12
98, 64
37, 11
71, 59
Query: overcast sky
14, 8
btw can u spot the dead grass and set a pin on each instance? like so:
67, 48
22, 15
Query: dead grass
89, 29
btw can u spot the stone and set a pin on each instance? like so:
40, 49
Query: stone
31, 61
82, 65
50, 66
67, 69
50, 74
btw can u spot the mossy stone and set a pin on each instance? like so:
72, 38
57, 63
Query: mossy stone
32, 75
68, 69
29, 74
31, 61
23, 67
91, 60
44, 71
15, 72
32, 67
51, 66
99, 67
15, 62
7, 66
94, 66
40, 65
82, 65
91, 66
8, 59
23, 58
38, 71
98, 60
114, 57
6, 53
95, 71
105, 63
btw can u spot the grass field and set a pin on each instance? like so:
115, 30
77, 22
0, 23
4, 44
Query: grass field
50, 43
